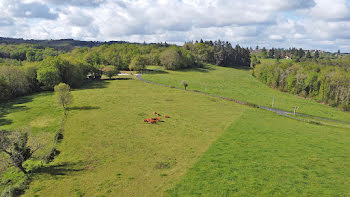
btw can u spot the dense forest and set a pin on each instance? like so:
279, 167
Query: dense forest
297, 55
219, 53
326, 81
28, 68
28, 52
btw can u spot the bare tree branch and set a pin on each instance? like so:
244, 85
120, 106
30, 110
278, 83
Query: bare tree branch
15, 145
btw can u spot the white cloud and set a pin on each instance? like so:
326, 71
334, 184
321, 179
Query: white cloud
79, 3
275, 37
331, 10
279, 23
5, 21
19, 9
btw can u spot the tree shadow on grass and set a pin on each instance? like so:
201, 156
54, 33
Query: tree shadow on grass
82, 108
121, 78
200, 70
11, 106
150, 71
53, 170
4, 122
203, 69
94, 84
160, 72
241, 67
59, 169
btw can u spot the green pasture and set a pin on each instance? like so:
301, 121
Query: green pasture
239, 84
108, 150
208, 146
264, 154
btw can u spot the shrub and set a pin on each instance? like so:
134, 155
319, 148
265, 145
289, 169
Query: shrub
184, 83
138, 63
110, 71
51, 155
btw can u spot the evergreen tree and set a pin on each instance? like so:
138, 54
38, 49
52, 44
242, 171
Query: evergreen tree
301, 53
278, 55
308, 54
264, 53
317, 54
272, 53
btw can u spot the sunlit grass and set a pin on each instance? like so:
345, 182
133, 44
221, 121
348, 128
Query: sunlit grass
208, 147
264, 154
108, 150
241, 85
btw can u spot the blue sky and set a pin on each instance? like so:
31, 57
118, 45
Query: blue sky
310, 24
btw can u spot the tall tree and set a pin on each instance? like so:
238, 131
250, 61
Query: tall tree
63, 95
317, 54
264, 53
272, 53
4, 89
301, 53
138, 63
308, 54
110, 71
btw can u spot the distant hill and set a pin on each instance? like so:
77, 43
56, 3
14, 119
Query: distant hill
62, 44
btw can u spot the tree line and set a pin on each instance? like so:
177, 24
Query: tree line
21, 76
28, 52
220, 53
298, 55
326, 81
61, 44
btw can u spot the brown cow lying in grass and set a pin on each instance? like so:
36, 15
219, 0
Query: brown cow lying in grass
151, 120
154, 120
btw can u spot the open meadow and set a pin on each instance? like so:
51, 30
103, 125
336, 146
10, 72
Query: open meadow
208, 146
154, 98
263, 153
238, 83
108, 150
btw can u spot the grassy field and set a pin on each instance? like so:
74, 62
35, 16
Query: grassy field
209, 147
263, 154
108, 150
38, 111
241, 85
40, 116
